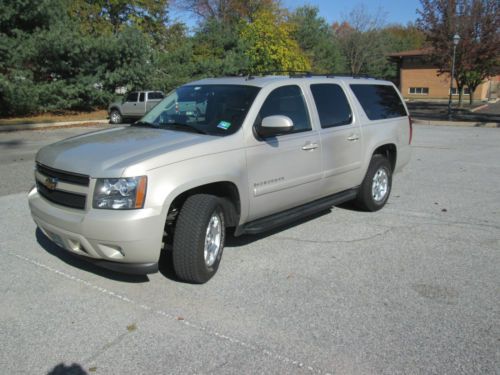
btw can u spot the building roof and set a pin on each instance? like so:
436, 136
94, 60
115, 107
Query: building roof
414, 52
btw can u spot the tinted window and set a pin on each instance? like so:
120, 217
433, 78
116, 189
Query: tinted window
333, 107
141, 97
132, 97
287, 101
155, 95
379, 101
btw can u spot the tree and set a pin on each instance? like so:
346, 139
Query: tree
477, 22
227, 10
317, 40
101, 16
361, 41
269, 45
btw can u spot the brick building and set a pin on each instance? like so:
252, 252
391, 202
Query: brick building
418, 79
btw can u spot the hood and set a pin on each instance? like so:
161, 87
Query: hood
108, 153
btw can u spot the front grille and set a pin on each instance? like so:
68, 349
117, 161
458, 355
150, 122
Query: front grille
69, 177
63, 198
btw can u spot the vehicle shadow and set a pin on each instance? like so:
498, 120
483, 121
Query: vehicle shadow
74, 261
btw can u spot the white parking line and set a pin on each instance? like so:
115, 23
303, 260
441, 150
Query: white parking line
273, 355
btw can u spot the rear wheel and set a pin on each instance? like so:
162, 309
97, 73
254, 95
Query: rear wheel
376, 187
115, 117
199, 238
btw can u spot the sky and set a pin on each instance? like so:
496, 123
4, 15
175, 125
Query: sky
396, 11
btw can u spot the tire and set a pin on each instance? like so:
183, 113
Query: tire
376, 186
115, 117
194, 260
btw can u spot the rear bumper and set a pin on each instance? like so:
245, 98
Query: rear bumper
124, 241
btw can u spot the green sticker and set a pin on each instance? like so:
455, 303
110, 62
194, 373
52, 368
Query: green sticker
224, 125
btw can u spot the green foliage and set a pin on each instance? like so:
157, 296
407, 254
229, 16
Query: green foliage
269, 45
317, 40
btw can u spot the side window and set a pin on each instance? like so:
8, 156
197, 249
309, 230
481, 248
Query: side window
333, 107
155, 95
287, 101
132, 97
379, 101
141, 97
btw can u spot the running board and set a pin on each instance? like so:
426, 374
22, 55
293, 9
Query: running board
293, 214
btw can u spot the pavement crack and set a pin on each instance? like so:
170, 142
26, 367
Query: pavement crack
207, 330
334, 241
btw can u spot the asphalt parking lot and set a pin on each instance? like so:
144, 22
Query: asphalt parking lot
411, 289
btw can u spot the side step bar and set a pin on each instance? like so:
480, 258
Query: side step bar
293, 214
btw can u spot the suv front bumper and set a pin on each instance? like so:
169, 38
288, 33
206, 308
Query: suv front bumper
125, 241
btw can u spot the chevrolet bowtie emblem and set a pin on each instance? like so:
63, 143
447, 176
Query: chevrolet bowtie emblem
50, 183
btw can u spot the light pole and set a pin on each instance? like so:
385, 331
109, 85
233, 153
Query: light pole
456, 39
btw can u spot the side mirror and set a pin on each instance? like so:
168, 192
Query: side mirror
274, 125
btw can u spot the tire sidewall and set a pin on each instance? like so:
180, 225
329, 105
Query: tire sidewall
365, 198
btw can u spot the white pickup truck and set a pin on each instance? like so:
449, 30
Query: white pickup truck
135, 105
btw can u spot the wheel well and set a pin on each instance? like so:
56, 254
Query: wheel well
389, 152
115, 108
224, 189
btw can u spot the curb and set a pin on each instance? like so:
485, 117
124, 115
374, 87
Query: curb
46, 125
469, 124
480, 107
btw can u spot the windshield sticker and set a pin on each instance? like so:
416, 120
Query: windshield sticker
224, 125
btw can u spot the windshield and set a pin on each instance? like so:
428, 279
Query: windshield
208, 109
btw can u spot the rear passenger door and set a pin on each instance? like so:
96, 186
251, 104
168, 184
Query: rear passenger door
341, 138
284, 171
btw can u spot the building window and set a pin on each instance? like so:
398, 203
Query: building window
418, 90
454, 91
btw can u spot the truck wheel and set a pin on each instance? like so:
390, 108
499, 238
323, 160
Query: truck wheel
199, 238
115, 117
376, 186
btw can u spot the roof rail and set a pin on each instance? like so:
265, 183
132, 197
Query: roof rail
296, 74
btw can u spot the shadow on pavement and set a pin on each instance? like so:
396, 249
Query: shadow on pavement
439, 111
77, 262
62, 369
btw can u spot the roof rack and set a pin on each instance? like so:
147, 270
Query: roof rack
297, 74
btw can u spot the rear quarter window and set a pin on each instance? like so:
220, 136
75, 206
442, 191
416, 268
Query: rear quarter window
379, 101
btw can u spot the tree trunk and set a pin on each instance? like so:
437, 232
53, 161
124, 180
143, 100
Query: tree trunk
471, 96
460, 94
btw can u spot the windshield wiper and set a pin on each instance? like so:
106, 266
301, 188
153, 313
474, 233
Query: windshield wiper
182, 127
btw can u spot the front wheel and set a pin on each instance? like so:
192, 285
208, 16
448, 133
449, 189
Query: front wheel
199, 238
376, 186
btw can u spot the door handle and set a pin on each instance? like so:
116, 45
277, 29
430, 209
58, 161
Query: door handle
310, 146
353, 137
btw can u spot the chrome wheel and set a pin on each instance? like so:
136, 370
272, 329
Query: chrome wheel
213, 239
115, 117
380, 185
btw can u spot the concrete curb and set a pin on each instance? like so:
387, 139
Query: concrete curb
470, 124
480, 107
10, 128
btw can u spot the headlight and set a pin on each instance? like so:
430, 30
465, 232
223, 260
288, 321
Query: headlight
120, 193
